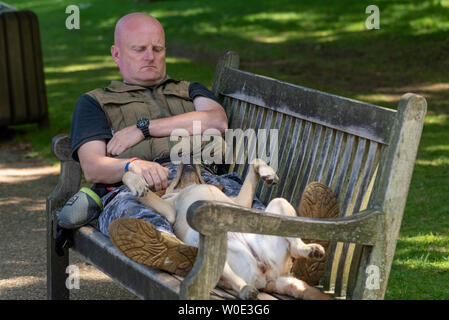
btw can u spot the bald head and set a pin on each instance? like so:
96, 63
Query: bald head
133, 21
139, 49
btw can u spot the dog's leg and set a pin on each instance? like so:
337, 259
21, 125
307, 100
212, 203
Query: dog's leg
257, 169
295, 288
297, 247
230, 280
137, 185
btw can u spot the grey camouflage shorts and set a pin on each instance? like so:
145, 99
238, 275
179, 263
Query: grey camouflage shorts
120, 202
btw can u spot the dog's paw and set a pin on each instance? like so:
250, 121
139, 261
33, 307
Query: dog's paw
316, 251
265, 172
249, 293
135, 183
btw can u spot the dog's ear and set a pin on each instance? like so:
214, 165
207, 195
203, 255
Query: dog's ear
176, 179
198, 173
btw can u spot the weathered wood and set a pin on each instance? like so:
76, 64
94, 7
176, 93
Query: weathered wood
392, 184
22, 82
41, 104
289, 157
56, 265
347, 115
308, 165
207, 269
15, 68
287, 191
227, 59
26, 43
324, 155
68, 183
229, 217
143, 281
5, 110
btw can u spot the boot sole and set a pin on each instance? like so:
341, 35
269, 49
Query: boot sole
140, 241
318, 201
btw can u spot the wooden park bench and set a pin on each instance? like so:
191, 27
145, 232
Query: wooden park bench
365, 153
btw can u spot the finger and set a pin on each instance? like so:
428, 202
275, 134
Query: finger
156, 178
118, 149
163, 173
149, 180
112, 147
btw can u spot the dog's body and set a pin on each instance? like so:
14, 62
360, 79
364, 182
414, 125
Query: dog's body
253, 261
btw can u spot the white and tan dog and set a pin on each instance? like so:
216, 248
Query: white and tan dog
254, 261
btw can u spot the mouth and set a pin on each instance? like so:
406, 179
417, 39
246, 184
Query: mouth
145, 67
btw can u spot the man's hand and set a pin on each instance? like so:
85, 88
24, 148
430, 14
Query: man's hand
123, 140
154, 174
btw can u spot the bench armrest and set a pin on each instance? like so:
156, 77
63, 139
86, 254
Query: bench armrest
209, 218
69, 178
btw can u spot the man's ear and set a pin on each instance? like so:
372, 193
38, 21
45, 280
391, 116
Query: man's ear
115, 53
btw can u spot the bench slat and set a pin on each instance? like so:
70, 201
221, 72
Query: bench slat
241, 114
251, 143
289, 156
308, 167
368, 174
333, 161
343, 167
5, 109
15, 67
288, 126
266, 192
354, 175
30, 77
263, 145
347, 115
302, 151
38, 62
327, 141
248, 124
341, 269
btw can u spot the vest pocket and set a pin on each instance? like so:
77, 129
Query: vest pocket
125, 111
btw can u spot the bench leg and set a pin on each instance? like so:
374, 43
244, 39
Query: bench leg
56, 268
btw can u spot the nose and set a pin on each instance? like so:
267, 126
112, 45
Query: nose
149, 54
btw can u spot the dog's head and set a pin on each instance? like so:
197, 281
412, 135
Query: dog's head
187, 174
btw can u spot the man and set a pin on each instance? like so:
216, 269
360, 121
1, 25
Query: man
142, 111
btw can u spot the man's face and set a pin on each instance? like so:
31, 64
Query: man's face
140, 53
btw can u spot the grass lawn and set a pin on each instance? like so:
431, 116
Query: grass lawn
319, 44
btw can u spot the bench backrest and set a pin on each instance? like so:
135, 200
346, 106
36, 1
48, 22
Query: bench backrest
322, 137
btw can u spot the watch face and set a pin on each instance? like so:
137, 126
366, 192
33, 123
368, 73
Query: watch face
142, 123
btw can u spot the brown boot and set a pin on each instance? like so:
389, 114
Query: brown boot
140, 241
317, 201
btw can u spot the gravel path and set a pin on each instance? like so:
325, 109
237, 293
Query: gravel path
25, 182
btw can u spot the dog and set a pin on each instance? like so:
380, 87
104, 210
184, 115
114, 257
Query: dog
254, 262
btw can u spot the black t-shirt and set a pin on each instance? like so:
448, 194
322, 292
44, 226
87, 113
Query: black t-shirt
89, 121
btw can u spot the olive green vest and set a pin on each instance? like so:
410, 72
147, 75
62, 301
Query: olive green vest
124, 104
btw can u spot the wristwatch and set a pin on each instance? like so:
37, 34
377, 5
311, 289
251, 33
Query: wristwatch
142, 124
